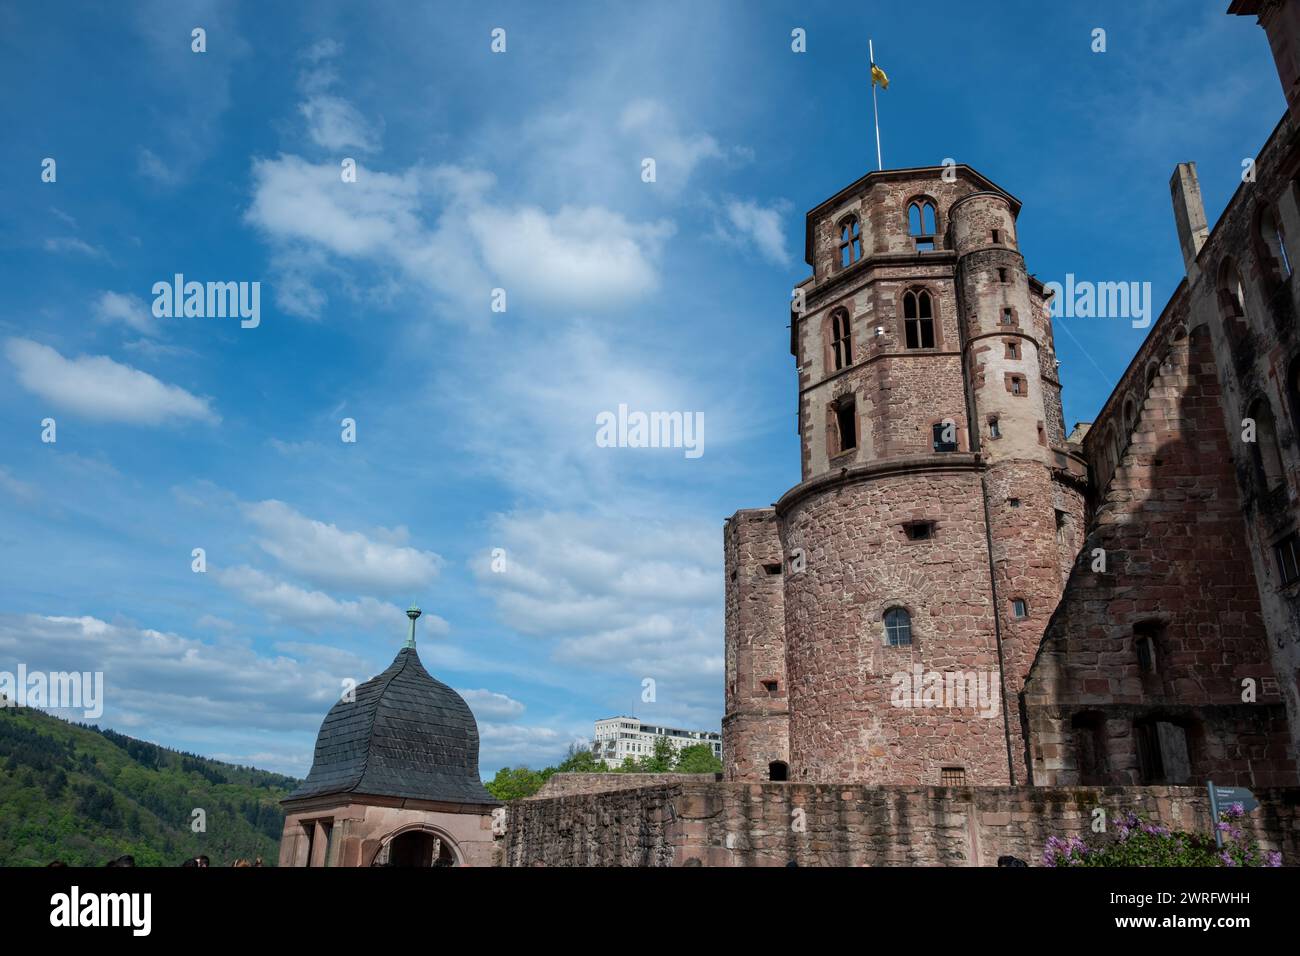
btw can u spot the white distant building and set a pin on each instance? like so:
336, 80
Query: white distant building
618, 738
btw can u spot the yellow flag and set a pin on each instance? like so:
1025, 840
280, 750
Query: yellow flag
878, 76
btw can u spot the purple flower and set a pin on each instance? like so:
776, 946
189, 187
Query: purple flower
1236, 810
1227, 860
1273, 858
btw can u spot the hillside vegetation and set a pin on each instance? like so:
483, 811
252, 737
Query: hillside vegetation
83, 795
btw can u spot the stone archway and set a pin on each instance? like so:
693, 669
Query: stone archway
418, 844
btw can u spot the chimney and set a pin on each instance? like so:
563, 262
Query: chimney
1189, 212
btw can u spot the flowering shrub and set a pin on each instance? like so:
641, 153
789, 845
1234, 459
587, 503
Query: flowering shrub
1138, 843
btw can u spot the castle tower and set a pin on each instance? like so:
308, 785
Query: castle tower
922, 410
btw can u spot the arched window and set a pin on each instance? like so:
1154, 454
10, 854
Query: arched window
1130, 418
1274, 241
841, 339
922, 224
918, 319
778, 770
850, 241
898, 627
1232, 300
1268, 459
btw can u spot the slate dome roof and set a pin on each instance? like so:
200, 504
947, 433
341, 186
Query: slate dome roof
406, 734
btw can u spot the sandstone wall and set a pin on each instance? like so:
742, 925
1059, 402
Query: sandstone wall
731, 824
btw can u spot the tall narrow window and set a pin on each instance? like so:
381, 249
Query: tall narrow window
846, 423
1268, 460
841, 339
997, 237
1017, 385
922, 224
1287, 552
1146, 645
850, 241
918, 319
995, 431
1008, 317
1270, 232
1013, 351
1019, 608
1232, 300
898, 627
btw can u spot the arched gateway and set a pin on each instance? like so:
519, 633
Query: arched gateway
394, 780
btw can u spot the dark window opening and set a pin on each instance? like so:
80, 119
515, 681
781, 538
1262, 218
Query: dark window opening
772, 568
1287, 552
778, 770
846, 420
994, 430
841, 339
1002, 275
770, 686
1019, 608
1016, 387
1012, 351
1014, 502
1268, 459
1008, 317
997, 237
918, 319
1090, 747
920, 530
944, 436
898, 627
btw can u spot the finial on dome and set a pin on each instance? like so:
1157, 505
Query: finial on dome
412, 612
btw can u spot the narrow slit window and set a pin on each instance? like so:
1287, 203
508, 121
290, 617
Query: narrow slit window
1019, 609
944, 436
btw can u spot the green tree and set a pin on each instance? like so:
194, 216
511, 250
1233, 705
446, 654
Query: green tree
698, 758
515, 783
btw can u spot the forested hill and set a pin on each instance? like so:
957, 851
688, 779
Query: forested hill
85, 796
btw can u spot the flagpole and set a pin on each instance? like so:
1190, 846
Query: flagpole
875, 111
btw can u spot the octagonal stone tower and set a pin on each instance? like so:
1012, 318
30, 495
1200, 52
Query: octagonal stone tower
882, 616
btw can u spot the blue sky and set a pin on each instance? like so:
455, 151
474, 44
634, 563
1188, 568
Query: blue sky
475, 429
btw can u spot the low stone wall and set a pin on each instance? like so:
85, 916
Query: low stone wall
564, 784
770, 824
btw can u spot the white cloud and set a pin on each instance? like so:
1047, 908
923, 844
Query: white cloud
327, 556
749, 224
99, 388
628, 606
655, 129
73, 244
437, 227
489, 705
130, 310
335, 124
317, 611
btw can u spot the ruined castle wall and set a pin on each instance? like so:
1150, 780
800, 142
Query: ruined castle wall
730, 824
1100, 707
